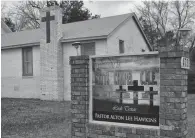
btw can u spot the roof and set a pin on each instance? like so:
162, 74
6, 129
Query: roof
21, 38
94, 28
5, 27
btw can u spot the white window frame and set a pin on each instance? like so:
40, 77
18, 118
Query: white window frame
24, 60
83, 43
121, 52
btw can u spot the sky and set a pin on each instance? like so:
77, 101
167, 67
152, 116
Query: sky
103, 8
110, 8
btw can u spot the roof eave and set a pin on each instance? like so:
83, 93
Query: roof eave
142, 31
7, 29
63, 40
119, 25
133, 15
21, 45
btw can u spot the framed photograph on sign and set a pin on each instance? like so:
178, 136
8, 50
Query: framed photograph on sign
123, 89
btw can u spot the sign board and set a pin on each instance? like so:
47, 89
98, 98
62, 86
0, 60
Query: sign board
185, 63
125, 89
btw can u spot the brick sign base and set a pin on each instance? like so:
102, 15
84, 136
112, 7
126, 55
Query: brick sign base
173, 101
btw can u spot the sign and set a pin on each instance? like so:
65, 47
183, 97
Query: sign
185, 63
125, 89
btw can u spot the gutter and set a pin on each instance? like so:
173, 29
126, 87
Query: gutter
83, 38
20, 45
142, 31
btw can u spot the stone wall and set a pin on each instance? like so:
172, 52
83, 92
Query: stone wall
80, 108
173, 102
51, 58
79, 95
173, 92
191, 73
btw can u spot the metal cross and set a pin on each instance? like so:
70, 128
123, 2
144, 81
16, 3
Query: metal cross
152, 93
47, 19
135, 88
121, 90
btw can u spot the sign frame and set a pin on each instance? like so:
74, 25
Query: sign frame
90, 92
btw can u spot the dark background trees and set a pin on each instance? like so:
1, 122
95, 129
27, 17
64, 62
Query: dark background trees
162, 20
25, 14
9, 23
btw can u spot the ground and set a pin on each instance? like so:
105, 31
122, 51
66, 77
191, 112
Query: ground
24, 118
27, 118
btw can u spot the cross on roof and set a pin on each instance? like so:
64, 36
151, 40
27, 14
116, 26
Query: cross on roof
47, 19
135, 88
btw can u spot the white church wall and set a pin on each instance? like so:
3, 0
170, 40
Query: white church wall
13, 84
69, 50
3, 31
132, 37
101, 47
133, 41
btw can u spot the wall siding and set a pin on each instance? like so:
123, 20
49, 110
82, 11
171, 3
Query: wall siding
16, 86
69, 50
13, 84
133, 39
133, 42
3, 31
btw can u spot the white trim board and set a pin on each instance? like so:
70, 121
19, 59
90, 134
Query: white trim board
127, 54
20, 45
124, 125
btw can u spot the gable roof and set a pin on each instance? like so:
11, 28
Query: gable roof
5, 27
92, 28
20, 38
82, 30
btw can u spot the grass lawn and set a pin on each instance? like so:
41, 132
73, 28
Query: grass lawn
27, 118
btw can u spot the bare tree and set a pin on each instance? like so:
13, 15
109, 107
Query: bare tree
183, 17
3, 8
26, 13
155, 13
168, 17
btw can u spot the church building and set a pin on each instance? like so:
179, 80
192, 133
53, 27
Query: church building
35, 63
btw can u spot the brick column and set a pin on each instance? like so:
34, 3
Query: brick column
51, 57
173, 92
79, 95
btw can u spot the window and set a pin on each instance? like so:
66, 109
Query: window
88, 48
27, 61
121, 46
